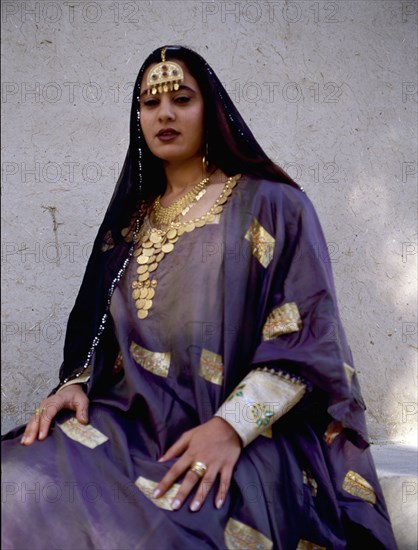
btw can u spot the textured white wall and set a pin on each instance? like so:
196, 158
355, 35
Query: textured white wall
329, 89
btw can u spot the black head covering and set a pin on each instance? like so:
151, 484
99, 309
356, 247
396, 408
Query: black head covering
231, 147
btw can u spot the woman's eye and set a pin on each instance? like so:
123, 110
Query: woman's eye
182, 99
150, 102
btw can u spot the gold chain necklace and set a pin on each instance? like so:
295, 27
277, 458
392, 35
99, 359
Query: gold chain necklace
152, 244
165, 215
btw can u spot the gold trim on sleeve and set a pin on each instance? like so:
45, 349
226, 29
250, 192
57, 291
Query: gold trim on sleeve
357, 486
282, 320
147, 486
259, 400
156, 362
211, 367
83, 379
261, 242
239, 536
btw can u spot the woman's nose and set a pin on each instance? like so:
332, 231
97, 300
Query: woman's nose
166, 111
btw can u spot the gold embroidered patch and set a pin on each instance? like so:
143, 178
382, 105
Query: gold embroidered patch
308, 545
282, 320
349, 372
84, 434
211, 367
262, 243
357, 486
147, 487
239, 536
156, 362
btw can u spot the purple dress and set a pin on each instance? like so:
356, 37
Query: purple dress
309, 483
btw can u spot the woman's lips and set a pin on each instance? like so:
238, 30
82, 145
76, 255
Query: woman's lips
167, 135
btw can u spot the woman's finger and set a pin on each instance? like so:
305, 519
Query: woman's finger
81, 407
205, 486
189, 481
170, 477
72, 398
32, 428
176, 449
48, 412
224, 484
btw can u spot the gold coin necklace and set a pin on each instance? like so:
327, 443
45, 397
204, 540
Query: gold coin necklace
153, 243
165, 215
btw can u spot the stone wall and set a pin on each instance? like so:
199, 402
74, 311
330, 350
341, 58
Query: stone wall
328, 88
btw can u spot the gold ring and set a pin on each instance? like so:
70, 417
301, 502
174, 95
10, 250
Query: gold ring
38, 410
199, 468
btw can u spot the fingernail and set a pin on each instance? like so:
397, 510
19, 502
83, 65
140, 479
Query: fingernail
176, 504
160, 459
156, 493
219, 503
24, 439
195, 506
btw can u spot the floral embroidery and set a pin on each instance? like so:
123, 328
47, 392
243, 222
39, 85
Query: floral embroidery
261, 414
237, 392
259, 400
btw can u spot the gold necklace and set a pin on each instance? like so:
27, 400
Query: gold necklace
162, 215
152, 244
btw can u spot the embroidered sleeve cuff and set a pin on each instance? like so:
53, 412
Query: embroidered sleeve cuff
82, 379
259, 400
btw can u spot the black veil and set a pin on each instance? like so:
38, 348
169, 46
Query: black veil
231, 147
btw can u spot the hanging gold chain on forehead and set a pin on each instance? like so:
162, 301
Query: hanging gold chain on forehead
166, 76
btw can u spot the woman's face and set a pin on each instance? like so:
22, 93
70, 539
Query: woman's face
173, 122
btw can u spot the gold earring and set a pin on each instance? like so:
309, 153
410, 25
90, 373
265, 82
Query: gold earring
205, 159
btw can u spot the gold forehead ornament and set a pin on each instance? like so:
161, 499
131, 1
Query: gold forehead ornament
165, 76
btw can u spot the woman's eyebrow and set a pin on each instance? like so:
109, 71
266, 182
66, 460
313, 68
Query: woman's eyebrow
181, 87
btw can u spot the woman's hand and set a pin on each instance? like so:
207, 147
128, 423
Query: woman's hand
73, 397
214, 443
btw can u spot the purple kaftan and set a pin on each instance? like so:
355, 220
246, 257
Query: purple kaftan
203, 334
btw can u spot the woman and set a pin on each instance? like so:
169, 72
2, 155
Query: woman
216, 404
